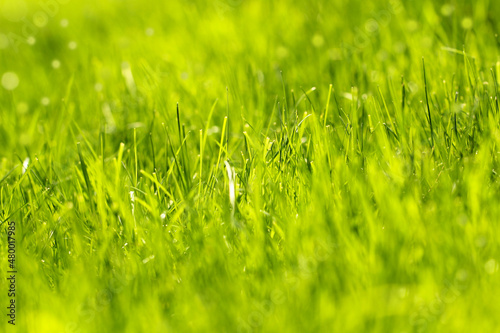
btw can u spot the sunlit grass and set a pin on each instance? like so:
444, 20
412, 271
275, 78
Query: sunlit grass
249, 166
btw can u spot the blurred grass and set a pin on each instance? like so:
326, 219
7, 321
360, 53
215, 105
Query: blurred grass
267, 202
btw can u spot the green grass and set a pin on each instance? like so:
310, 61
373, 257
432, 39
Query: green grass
250, 166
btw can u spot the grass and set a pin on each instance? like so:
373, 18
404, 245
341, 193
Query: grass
249, 166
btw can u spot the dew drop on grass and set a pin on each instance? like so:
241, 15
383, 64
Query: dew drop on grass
318, 40
31, 40
26, 163
467, 23
40, 19
491, 266
447, 9
72, 45
45, 101
56, 64
10, 80
64, 23
213, 130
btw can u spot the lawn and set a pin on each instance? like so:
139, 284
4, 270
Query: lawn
249, 166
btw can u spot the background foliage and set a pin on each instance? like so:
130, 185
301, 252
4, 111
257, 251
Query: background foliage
316, 174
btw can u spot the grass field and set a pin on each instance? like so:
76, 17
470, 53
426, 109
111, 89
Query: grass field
250, 166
